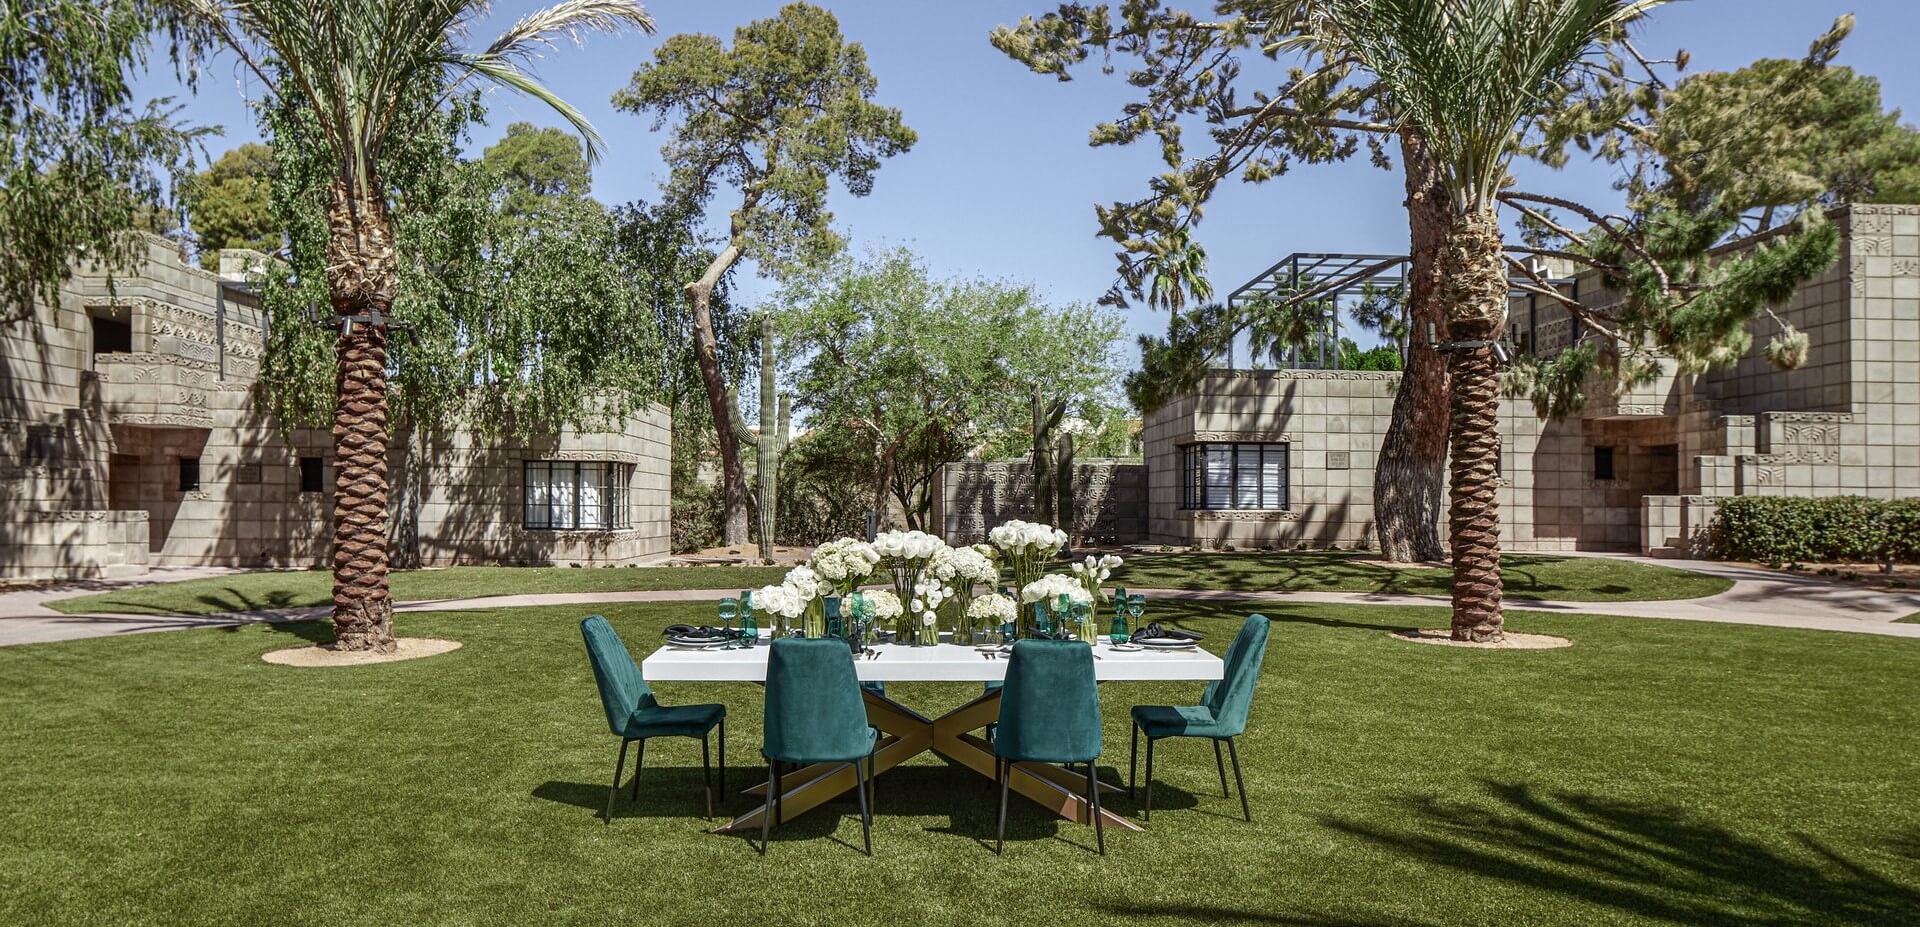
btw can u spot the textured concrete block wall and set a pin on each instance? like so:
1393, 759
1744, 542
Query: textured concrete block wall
92, 443
975, 495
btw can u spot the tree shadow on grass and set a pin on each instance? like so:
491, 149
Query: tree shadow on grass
1225, 914
1650, 861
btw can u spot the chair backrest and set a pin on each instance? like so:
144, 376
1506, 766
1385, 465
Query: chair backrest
1231, 696
1050, 705
814, 710
621, 685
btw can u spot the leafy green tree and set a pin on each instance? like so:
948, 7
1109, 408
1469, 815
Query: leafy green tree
363, 74
773, 119
1765, 141
923, 371
536, 164
230, 205
1256, 123
81, 160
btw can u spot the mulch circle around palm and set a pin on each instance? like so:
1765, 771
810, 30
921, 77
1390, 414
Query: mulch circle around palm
323, 655
1513, 640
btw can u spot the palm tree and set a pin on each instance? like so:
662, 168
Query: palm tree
1468, 75
360, 67
1174, 269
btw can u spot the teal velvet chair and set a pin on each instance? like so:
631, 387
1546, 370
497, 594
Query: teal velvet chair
1221, 715
634, 715
1049, 713
815, 715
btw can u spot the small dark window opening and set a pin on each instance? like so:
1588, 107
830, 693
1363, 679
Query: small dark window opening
111, 336
312, 474
189, 474
1603, 463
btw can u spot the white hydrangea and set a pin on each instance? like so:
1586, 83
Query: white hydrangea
845, 562
1051, 587
966, 566
907, 545
882, 605
992, 608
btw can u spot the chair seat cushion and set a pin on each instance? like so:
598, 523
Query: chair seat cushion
873, 737
652, 719
1180, 721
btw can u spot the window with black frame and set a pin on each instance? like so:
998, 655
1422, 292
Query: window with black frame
577, 495
1234, 476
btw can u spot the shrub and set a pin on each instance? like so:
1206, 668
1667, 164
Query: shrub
699, 515
1777, 529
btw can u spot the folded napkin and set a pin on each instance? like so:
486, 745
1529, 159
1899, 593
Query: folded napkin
1156, 631
703, 632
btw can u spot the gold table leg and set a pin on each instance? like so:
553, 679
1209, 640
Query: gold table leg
907, 733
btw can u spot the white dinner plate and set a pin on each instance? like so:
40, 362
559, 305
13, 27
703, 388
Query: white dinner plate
699, 643
1163, 643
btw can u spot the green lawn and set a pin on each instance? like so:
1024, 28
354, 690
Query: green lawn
249, 591
1669, 773
1910, 619
1528, 576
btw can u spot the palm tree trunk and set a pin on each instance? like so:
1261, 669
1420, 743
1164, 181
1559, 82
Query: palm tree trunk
1408, 476
361, 279
1474, 289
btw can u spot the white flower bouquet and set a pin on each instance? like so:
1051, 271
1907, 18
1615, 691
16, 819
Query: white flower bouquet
1093, 571
882, 605
1058, 594
783, 602
844, 562
1026, 547
991, 610
907, 554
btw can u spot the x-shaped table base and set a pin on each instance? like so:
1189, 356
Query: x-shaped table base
905, 733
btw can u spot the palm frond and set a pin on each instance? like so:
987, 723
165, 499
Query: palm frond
1471, 74
504, 73
574, 20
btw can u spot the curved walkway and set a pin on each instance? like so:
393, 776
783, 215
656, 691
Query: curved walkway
1758, 597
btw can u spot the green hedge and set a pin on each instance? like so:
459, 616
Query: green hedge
1785, 529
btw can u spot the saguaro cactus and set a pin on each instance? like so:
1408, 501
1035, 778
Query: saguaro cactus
1046, 417
768, 442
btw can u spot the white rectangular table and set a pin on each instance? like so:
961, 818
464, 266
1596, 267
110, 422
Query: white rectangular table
906, 733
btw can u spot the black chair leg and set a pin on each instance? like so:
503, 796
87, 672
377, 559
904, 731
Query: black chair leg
873, 777
723, 761
766, 814
1133, 758
1221, 764
780, 792
1233, 751
1003, 771
639, 760
706, 773
866, 816
618, 765
1093, 796
1148, 813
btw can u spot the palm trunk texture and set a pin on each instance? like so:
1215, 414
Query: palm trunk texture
1408, 477
361, 279
1474, 289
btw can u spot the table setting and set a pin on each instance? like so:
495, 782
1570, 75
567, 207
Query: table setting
912, 608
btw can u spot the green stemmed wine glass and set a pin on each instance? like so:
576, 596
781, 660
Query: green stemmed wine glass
729, 609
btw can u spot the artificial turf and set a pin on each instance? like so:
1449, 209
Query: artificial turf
1528, 576
309, 588
1657, 772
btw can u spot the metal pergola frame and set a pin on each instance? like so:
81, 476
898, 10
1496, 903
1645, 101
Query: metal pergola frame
1346, 270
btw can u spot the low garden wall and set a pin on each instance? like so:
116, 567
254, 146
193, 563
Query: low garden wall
1109, 500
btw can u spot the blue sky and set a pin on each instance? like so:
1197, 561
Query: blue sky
1002, 182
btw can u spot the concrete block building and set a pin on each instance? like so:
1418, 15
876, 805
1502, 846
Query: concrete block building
129, 437
1257, 458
